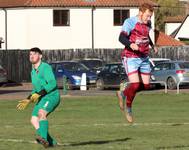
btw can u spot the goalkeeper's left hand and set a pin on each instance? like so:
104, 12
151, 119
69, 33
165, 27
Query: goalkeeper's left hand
35, 97
23, 104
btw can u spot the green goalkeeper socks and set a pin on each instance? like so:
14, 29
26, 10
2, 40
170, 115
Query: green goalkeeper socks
43, 124
38, 131
51, 141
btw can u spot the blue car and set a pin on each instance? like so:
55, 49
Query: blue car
73, 71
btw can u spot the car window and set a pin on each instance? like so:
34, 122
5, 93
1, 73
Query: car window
166, 66
173, 66
114, 69
92, 63
158, 67
184, 65
122, 69
58, 67
72, 66
159, 61
105, 68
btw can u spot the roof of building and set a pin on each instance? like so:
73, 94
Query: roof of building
161, 39
73, 3
174, 19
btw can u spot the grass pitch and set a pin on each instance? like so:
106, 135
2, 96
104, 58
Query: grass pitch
95, 123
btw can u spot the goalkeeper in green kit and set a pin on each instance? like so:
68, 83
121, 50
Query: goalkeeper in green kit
44, 94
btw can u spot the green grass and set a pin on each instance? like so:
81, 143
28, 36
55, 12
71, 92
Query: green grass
95, 123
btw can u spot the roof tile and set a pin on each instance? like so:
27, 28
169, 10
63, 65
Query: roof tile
174, 19
73, 3
161, 39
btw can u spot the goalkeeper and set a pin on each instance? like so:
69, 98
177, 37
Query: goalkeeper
45, 95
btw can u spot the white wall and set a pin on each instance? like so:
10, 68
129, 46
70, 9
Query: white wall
105, 33
184, 30
34, 27
170, 27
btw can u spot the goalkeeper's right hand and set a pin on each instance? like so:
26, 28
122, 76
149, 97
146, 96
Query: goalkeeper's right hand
23, 104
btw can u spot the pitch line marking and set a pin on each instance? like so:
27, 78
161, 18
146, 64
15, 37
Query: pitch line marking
111, 124
128, 124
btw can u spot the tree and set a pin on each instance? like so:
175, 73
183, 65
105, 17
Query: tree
167, 8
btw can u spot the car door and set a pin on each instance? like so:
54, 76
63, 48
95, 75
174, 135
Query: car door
114, 75
59, 75
156, 73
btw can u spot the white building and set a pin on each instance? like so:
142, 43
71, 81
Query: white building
64, 24
182, 33
172, 23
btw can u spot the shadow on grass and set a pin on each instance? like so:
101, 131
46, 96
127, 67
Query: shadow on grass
172, 147
97, 142
12, 91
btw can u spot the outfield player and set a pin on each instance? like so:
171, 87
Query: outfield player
135, 37
45, 95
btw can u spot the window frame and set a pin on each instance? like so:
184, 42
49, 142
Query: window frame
61, 24
121, 17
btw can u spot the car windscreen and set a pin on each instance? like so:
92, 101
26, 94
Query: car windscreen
72, 66
92, 63
160, 61
184, 65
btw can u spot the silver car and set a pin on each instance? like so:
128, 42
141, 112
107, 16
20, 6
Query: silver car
171, 72
3, 75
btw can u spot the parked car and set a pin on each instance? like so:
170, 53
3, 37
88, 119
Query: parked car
155, 61
112, 75
3, 75
73, 71
93, 64
171, 72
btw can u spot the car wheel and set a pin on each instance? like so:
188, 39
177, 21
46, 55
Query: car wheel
171, 83
100, 84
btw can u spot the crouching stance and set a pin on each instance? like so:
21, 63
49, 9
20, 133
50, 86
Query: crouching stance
135, 37
44, 94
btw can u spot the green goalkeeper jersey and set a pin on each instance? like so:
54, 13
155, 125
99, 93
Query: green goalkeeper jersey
43, 79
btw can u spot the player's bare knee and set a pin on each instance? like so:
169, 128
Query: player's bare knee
42, 115
31, 121
34, 120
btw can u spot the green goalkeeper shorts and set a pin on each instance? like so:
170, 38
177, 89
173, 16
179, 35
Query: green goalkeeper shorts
47, 103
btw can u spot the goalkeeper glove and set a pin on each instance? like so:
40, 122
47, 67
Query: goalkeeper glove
36, 96
23, 104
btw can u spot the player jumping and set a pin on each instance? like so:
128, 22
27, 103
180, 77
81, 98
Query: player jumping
45, 94
135, 37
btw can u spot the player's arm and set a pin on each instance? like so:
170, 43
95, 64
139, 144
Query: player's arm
150, 42
124, 36
124, 39
152, 45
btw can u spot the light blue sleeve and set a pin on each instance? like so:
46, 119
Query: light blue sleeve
129, 25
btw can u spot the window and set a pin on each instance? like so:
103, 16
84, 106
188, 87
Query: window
120, 16
166, 67
114, 69
61, 17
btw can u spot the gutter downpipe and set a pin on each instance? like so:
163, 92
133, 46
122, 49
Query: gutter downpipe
5, 28
92, 26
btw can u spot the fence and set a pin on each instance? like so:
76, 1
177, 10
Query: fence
18, 67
